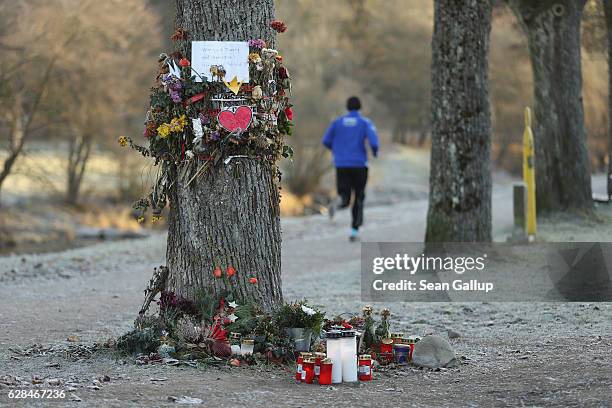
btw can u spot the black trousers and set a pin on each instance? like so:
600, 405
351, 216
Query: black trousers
351, 180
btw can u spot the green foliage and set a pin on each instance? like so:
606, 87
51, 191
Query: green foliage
139, 341
293, 315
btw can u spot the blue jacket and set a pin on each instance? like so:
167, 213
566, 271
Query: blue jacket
346, 136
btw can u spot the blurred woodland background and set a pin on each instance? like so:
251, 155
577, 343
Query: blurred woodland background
75, 75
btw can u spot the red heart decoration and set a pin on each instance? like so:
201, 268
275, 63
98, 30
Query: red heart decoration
235, 118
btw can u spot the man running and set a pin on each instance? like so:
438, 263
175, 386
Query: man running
346, 137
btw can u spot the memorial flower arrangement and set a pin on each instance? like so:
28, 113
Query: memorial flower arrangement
195, 120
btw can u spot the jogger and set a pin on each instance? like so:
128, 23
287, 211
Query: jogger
346, 137
352, 180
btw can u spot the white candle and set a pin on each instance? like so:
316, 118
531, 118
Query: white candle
334, 353
349, 357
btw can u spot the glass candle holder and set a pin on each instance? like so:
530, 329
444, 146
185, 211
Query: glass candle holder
325, 373
247, 347
308, 370
364, 370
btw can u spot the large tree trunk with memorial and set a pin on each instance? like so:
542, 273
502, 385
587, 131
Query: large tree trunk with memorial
563, 177
460, 177
217, 148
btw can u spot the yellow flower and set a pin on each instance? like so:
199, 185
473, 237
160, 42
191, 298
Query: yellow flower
123, 141
178, 124
254, 57
140, 220
156, 218
163, 130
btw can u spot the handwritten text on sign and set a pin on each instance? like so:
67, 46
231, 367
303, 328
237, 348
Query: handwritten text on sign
233, 55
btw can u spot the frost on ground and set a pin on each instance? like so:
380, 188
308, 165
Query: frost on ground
510, 354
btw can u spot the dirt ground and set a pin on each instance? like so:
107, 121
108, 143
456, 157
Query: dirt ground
512, 354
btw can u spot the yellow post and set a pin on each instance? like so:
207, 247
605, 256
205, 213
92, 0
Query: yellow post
529, 175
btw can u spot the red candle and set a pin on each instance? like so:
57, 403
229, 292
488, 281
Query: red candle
318, 358
300, 364
364, 369
325, 373
308, 370
386, 351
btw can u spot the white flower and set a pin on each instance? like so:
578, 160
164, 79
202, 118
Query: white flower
189, 154
308, 311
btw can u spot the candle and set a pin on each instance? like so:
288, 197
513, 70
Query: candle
247, 347
308, 370
318, 358
365, 367
334, 353
401, 352
386, 351
300, 365
349, 356
325, 374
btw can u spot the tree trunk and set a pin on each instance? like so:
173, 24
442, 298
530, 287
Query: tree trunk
229, 216
460, 176
563, 177
608, 13
78, 155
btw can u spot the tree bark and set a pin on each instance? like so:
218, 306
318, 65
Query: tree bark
563, 176
229, 216
460, 176
608, 14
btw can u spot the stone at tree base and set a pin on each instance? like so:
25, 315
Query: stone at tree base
433, 352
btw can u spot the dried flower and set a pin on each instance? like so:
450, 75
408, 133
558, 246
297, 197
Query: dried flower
385, 313
215, 135
123, 141
253, 280
179, 34
257, 93
205, 120
289, 113
283, 73
258, 43
217, 272
230, 271
278, 26
254, 57
184, 62
176, 98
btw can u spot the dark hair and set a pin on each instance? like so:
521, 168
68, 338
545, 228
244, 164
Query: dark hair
353, 103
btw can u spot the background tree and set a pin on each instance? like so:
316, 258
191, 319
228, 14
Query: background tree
460, 178
563, 178
608, 17
230, 217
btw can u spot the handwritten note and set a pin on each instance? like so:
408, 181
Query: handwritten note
232, 55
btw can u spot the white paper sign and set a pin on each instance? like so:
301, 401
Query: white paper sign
233, 55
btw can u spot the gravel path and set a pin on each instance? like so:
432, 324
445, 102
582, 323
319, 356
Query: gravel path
514, 354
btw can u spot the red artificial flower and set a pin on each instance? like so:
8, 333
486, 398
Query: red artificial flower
230, 271
253, 280
289, 113
217, 272
278, 26
279, 58
346, 325
184, 62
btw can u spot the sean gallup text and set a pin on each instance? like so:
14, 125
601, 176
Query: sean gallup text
424, 285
